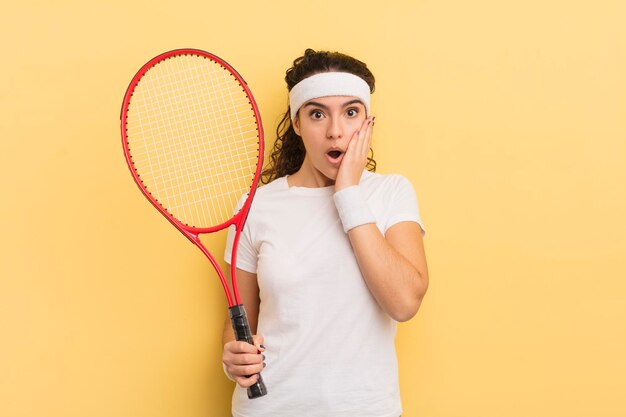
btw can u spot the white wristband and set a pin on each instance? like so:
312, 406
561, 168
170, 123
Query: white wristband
352, 207
227, 373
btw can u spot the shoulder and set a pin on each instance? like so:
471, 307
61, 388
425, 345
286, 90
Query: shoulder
270, 190
269, 198
393, 197
390, 183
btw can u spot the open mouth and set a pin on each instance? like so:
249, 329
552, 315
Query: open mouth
334, 154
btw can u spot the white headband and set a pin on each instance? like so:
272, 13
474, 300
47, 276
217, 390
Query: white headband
328, 84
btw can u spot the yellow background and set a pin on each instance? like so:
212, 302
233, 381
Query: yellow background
508, 117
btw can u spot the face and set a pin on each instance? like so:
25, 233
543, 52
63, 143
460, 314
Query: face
326, 125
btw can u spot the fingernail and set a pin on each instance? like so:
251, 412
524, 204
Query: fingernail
264, 365
263, 357
262, 346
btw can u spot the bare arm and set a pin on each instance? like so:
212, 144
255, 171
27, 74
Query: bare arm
393, 266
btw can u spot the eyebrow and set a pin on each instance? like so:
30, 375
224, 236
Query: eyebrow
315, 103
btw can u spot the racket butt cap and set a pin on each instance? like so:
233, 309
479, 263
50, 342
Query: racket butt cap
257, 390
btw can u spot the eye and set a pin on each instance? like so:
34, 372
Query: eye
352, 112
316, 114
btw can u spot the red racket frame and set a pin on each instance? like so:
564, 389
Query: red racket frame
192, 233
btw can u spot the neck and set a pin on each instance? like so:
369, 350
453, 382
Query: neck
309, 177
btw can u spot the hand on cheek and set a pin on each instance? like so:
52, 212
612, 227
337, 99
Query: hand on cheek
355, 159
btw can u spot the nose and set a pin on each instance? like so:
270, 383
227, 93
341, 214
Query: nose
335, 129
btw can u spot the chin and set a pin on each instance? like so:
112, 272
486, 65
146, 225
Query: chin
328, 177
330, 174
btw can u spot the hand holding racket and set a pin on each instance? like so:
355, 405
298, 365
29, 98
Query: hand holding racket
193, 140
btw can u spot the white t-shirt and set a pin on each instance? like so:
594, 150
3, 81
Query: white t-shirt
329, 346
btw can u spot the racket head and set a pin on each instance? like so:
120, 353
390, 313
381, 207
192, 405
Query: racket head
193, 139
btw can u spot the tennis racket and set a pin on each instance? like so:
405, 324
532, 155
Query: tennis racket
193, 140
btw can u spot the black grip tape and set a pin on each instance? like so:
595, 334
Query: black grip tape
243, 333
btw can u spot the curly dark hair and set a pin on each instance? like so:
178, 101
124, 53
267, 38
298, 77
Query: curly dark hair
288, 152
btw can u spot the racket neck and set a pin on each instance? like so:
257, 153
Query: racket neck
233, 262
196, 240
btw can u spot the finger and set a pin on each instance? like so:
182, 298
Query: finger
370, 125
364, 137
258, 342
246, 370
361, 131
365, 122
246, 382
368, 138
350, 149
238, 347
245, 359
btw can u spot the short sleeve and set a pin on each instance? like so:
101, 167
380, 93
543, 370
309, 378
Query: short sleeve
404, 205
246, 252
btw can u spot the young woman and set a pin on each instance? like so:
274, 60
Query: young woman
331, 257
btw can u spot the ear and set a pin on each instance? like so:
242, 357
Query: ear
296, 125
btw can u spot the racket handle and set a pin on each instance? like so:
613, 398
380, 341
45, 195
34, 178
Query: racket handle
243, 333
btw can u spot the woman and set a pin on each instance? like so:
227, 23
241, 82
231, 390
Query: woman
331, 257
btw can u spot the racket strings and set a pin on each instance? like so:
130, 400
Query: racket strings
193, 139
